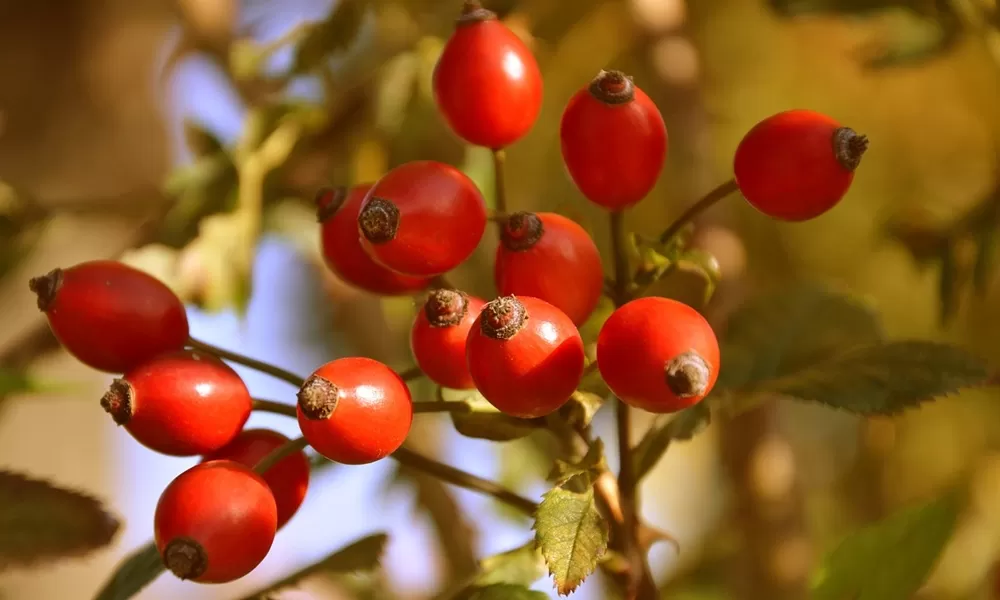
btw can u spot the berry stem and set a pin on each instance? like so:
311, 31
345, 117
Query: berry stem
721, 191
275, 407
263, 367
410, 374
280, 453
500, 187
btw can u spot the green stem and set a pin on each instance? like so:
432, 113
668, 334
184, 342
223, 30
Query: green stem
280, 453
263, 367
500, 187
721, 191
271, 406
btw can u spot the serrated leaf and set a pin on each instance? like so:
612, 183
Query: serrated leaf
364, 554
481, 420
133, 574
884, 379
891, 559
682, 426
579, 411
571, 535
506, 591
591, 465
334, 33
522, 565
776, 334
41, 523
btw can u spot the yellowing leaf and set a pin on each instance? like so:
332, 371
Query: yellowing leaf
571, 534
216, 267
41, 523
395, 91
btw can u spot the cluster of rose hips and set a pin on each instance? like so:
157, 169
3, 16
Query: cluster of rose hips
397, 236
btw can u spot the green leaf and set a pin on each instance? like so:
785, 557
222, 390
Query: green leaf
884, 379
133, 574
703, 264
591, 465
506, 591
364, 554
483, 421
523, 565
682, 426
571, 535
891, 559
333, 34
41, 523
777, 334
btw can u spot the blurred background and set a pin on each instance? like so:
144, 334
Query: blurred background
120, 125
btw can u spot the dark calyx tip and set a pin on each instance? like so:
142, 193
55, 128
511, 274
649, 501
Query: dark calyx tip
318, 398
185, 558
473, 12
503, 318
849, 146
612, 87
688, 375
379, 220
328, 202
46, 287
119, 401
446, 308
521, 231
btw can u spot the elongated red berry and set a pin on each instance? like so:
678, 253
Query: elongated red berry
181, 404
797, 164
658, 354
525, 355
487, 84
422, 218
337, 211
215, 522
550, 257
355, 410
613, 141
438, 335
111, 316
288, 478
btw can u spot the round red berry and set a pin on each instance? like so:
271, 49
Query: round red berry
798, 164
438, 335
337, 211
658, 354
183, 403
550, 257
288, 478
613, 141
487, 84
111, 316
355, 410
215, 522
422, 218
525, 356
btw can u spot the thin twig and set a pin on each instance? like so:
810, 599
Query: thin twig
500, 187
280, 453
263, 367
272, 406
439, 406
721, 191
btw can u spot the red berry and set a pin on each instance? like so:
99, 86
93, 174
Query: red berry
438, 337
550, 257
337, 211
355, 410
215, 522
288, 478
614, 141
422, 218
486, 82
525, 355
658, 354
109, 315
798, 164
181, 404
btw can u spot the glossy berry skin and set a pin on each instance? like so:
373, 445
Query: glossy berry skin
658, 354
215, 522
487, 84
614, 141
337, 211
183, 403
525, 355
798, 164
111, 316
438, 336
422, 219
550, 257
288, 478
355, 410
